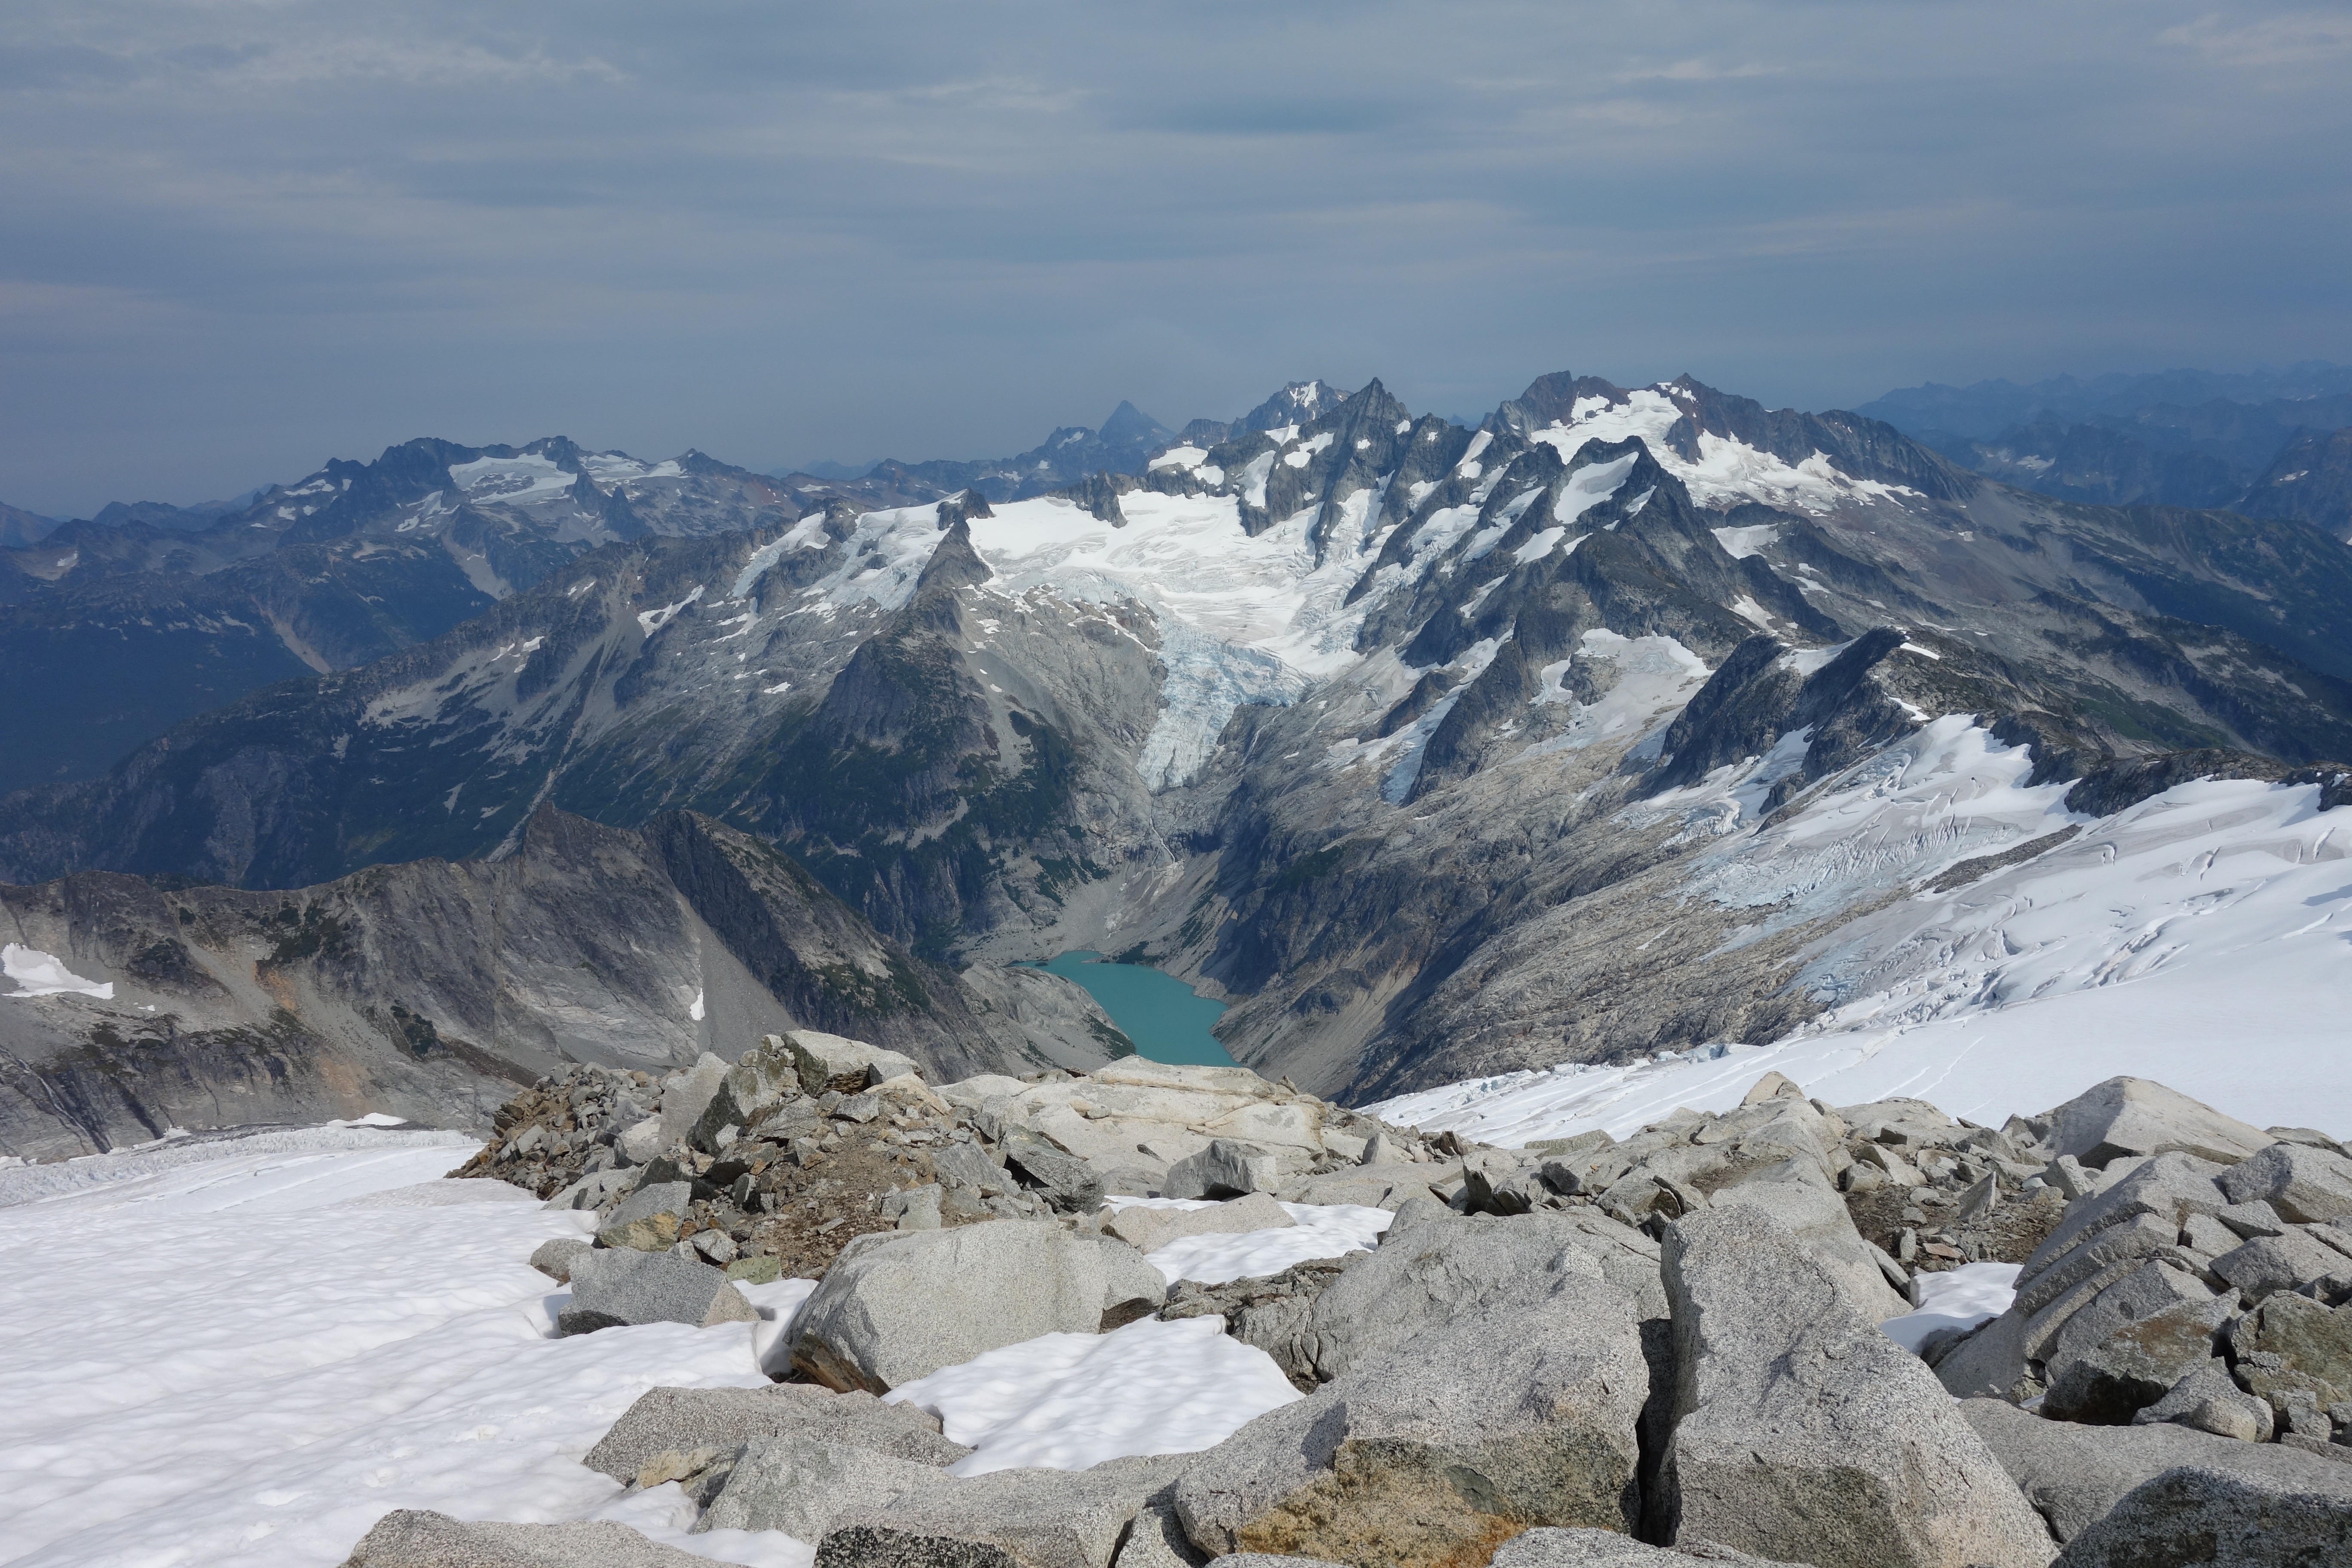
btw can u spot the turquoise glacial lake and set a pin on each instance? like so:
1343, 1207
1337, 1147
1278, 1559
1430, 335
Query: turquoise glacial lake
1158, 1012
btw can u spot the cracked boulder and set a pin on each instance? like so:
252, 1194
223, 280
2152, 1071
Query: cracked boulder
1802, 1432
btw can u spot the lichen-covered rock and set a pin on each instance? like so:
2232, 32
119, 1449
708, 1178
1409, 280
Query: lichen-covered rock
1606, 1549
1520, 1413
2136, 1364
2197, 1515
2074, 1475
663, 1420
1006, 1519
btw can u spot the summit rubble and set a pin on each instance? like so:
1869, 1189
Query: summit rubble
1676, 1344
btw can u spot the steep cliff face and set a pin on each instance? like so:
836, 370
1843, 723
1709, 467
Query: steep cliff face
428, 990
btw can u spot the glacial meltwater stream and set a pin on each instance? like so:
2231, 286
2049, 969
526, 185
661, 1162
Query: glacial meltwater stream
1158, 1012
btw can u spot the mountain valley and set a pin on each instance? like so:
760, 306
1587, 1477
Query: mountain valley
1436, 752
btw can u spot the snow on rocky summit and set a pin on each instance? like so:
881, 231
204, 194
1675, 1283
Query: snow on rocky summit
810, 1308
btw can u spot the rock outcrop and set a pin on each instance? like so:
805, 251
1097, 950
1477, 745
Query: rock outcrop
1802, 1432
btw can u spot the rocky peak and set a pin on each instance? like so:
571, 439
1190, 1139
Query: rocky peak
1300, 403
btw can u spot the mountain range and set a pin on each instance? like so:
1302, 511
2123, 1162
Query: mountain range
2269, 443
1358, 719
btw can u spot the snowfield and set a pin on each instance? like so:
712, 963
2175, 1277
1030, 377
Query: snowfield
244, 1351
247, 1350
38, 973
2202, 938
1066, 1401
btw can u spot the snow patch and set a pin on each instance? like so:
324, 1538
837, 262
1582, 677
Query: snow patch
1656, 675
1741, 543
654, 620
522, 480
1957, 1298
1726, 470
38, 973
1413, 739
1069, 1401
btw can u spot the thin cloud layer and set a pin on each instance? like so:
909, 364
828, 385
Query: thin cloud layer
245, 236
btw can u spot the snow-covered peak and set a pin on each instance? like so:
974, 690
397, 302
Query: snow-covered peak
520, 480
1728, 471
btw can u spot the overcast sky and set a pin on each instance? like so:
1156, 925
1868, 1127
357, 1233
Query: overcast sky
242, 237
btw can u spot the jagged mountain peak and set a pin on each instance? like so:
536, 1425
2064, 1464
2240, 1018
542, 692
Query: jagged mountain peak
1299, 402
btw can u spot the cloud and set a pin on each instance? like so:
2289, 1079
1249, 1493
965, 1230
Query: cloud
2297, 38
1699, 70
247, 235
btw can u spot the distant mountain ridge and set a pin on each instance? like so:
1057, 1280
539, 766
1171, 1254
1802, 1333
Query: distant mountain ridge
2182, 438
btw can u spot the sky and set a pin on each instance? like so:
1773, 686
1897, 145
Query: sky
242, 236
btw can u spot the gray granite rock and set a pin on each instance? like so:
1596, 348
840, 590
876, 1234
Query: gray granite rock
1814, 1213
1802, 1432
897, 1306
1006, 1519
686, 1094
767, 1076
2301, 1184
1449, 1267
1520, 1412
799, 1483
965, 1165
418, 1537
2269, 1264
554, 1258
2132, 1116
2209, 1515
1156, 1540
615, 1288
845, 1066
2073, 1475
1551, 1548
2206, 1399
1227, 1168
1067, 1184
679, 1419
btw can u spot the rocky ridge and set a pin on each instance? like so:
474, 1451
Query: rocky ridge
430, 990
1620, 1353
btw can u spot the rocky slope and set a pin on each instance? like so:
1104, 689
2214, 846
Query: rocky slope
1683, 1345
1400, 735
428, 990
